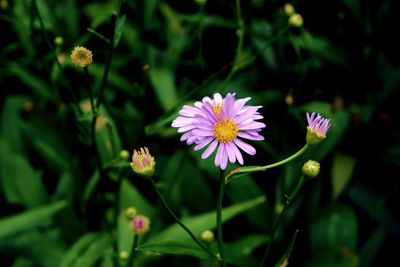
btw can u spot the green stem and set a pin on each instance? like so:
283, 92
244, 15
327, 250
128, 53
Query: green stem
178, 221
275, 227
132, 256
219, 219
108, 62
248, 169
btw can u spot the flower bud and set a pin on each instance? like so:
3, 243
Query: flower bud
130, 213
207, 236
81, 56
140, 225
143, 163
58, 40
288, 9
296, 20
317, 128
201, 2
311, 169
123, 255
124, 154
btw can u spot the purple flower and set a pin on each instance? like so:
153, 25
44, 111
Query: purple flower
219, 123
140, 224
317, 128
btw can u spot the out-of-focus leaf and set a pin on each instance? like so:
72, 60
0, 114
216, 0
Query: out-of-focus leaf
100, 12
87, 251
163, 82
20, 182
333, 228
264, 30
239, 252
119, 28
354, 7
29, 219
199, 223
34, 83
78, 248
371, 247
50, 155
21, 25
342, 170
175, 247
91, 185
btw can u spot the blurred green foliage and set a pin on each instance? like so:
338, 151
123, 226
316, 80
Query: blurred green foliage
62, 204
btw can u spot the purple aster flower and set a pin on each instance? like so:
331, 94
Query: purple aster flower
317, 128
219, 124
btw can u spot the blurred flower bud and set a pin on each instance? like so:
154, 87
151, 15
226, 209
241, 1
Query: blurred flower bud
296, 20
288, 9
124, 154
143, 163
123, 255
311, 169
201, 2
207, 236
130, 213
140, 224
81, 56
58, 40
279, 208
3, 4
317, 128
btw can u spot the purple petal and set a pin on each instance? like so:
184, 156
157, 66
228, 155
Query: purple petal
219, 156
186, 128
250, 136
252, 126
245, 147
224, 162
210, 149
237, 153
230, 151
203, 143
240, 103
200, 132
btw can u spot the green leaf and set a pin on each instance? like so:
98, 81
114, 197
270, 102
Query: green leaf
78, 248
371, 247
119, 28
52, 157
91, 249
206, 221
342, 170
29, 219
20, 182
176, 248
239, 252
163, 81
333, 228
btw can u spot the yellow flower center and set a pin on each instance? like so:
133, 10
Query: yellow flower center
225, 131
217, 108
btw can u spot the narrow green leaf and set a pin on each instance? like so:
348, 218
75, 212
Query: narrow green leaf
119, 28
175, 247
197, 224
78, 248
371, 247
29, 219
239, 252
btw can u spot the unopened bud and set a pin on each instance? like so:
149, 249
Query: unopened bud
311, 169
140, 225
123, 255
296, 20
124, 154
288, 9
81, 56
130, 213
143, 163
207, 236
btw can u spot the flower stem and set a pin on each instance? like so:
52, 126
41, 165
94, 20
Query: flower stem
248, 169
289, 198
178, 221
132, 256
219, 218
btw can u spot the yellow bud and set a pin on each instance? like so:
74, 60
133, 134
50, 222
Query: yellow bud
207, 236
311, 169
123, 255
130, 213
124, 154
58, 40
288, 9
296, 20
